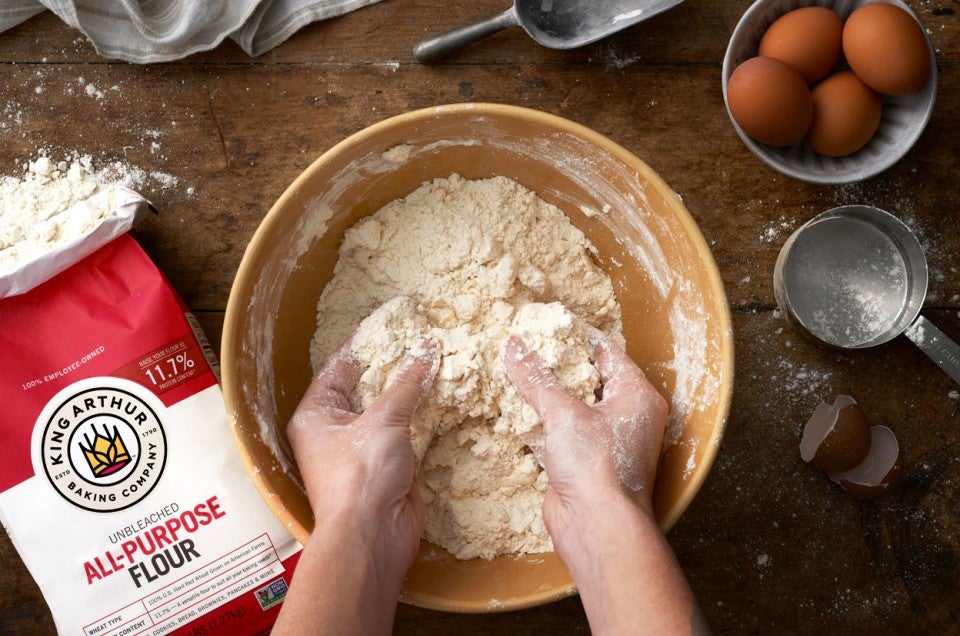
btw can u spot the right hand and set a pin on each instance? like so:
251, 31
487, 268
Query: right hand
601, 461
592, 452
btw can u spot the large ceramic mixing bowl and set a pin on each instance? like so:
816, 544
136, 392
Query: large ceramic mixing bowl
675, 315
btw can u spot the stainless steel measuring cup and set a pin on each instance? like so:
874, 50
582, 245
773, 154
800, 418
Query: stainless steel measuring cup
855, 277
556, 24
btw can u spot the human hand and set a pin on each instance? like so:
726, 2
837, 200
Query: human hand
592, 452
359, 469
360, 476
601, 460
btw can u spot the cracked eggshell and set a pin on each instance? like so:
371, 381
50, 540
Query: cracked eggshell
879, 472
836, 438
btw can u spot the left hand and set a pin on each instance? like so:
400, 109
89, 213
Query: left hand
359, 469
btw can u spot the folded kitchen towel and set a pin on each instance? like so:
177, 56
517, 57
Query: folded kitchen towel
145, 31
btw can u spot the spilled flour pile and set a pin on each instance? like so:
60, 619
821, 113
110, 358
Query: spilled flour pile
468, 263
58, 201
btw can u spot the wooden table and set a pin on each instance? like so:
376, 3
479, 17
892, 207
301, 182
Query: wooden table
769, 545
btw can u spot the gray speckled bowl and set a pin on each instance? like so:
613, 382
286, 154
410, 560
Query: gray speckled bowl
904, 117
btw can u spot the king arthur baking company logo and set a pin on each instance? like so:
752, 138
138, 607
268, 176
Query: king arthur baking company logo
101, 444
106, 455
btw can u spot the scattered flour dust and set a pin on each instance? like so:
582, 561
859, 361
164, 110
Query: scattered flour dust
35, 208
468, 263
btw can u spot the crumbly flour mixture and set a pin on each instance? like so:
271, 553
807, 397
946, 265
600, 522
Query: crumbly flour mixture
469, 262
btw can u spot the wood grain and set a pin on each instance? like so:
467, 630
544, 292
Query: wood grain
769, 545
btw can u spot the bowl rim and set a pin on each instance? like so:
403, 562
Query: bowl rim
762, 152
246, 277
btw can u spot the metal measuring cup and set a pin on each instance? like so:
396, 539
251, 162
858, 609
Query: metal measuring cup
855, 277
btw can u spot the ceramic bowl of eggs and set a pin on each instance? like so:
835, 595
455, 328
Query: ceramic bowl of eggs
829, 91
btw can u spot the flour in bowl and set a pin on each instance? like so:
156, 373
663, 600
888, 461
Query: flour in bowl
469, 262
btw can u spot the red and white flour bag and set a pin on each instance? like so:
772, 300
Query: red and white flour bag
120, 483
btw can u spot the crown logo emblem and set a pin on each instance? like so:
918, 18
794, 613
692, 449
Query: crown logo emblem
106, 453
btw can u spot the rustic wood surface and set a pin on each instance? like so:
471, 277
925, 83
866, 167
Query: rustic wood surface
769, 545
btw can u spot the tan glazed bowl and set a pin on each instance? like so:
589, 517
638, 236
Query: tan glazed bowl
675, 315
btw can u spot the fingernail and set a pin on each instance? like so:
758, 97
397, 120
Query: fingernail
423, 349
596, 337
520, 348
343, 354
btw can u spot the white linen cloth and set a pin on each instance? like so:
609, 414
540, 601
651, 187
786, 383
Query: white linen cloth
145, 31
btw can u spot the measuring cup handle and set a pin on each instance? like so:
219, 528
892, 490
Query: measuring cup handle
941, 349
435, 47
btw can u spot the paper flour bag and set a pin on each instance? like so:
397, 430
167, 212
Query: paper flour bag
120, 484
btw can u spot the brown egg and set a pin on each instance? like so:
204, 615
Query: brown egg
807, 39
886, 48
836, 438
846, 114
770, 101
879, 472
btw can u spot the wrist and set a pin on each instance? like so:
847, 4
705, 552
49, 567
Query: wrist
582, 533
621, 561
338, 587
362, 536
